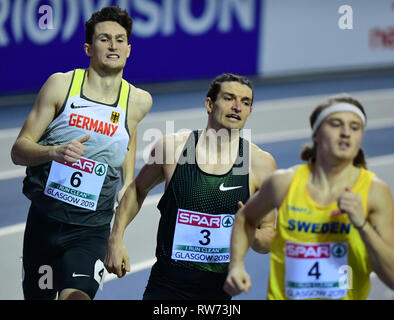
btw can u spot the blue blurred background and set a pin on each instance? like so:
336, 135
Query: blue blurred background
183, 40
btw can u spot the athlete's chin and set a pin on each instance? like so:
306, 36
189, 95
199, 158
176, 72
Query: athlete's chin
113, 69
233, 126
340, 158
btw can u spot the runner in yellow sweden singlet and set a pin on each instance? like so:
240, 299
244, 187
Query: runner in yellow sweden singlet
316, 255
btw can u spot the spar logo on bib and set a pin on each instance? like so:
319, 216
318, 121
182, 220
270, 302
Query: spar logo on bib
199, 219
100, 170
228, 221
82, 165
302, 251
339, 250
88, 166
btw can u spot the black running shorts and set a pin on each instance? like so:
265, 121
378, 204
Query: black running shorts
57, 256
170, 282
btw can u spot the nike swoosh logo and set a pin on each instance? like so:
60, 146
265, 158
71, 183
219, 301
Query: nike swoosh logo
223, 188
75, 275
73, 106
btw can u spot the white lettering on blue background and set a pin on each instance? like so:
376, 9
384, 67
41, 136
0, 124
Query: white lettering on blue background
151, 18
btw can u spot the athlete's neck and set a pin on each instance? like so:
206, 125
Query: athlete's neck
218, 147
329, 175
102, 87
222, 139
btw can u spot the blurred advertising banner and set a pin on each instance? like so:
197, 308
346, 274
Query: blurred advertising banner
175, 40
171, 39
308, 36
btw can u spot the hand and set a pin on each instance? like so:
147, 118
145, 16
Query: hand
351, 204
70, 152
237, 281
240, 204
117, 260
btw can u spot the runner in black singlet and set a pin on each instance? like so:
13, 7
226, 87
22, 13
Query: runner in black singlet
215, 172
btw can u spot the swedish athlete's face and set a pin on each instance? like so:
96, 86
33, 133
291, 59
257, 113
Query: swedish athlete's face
109, 48
340, 136
232, 107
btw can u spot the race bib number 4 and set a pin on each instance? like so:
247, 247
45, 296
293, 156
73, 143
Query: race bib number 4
202, 237
78, 184
314, 270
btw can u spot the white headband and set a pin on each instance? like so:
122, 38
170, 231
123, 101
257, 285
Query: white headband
340, 107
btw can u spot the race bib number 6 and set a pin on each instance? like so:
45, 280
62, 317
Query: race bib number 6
78, 184
202, 237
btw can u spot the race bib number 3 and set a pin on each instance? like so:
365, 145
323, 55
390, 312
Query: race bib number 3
313, 270
78, 184
202, 237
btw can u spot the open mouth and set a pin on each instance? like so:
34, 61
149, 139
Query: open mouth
113, 56
233, 116
344, 144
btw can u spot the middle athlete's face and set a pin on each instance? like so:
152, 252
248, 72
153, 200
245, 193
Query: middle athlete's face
232, 107
109, 48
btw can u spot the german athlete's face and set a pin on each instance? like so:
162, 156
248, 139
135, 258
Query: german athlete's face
109, 48
232, 107
340, 136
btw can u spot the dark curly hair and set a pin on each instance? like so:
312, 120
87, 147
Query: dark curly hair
112, 13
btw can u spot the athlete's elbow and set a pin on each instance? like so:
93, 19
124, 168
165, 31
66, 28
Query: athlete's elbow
16, 159
262, 239
260, 248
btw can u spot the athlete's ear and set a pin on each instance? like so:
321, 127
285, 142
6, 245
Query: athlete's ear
129, 50
314, 137
208, 104
87, 48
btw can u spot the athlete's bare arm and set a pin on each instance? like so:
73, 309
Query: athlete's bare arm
159, 168
140, 102
269, 197
26, 151
378, 233
262, 164
128, 166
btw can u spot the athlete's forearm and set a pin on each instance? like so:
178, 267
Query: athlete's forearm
127, 174
127, 210
381, 255
128, 166
28, 153
241, 238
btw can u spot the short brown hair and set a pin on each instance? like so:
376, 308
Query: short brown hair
216, 84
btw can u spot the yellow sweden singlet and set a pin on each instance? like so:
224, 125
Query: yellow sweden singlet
315, 255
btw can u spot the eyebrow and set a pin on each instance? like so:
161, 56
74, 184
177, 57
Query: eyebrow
120, 35
339, 119
233, 96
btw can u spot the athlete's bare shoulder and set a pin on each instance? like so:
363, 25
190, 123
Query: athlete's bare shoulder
282, 178
278, 184
262, 164
379, 194
262, 160
61, 79
167, 150
54, 91
141, 102
178, 140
